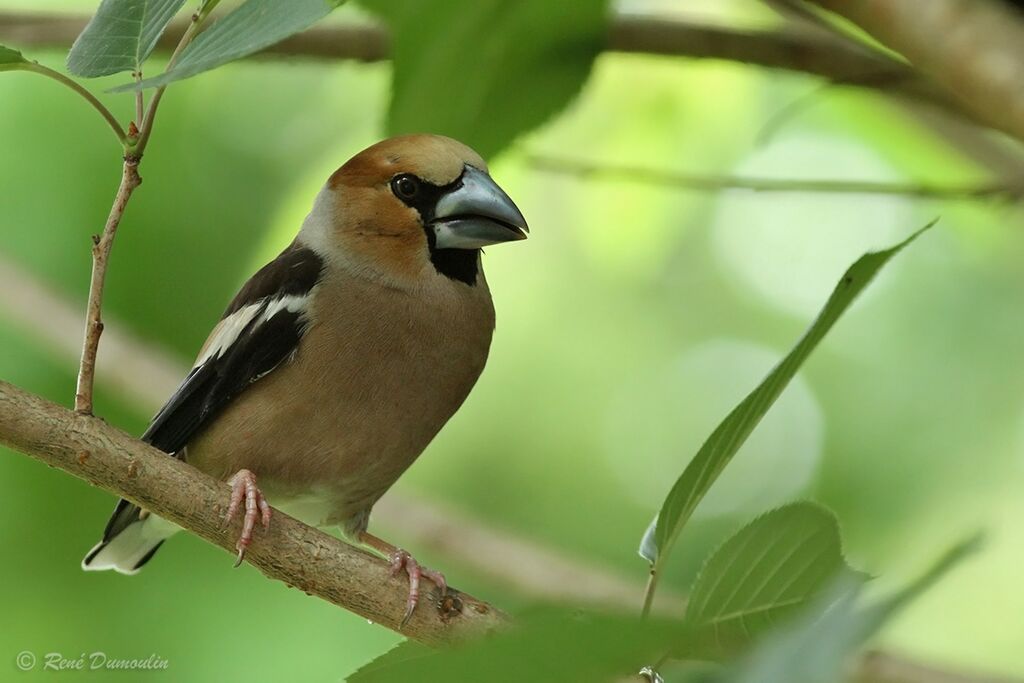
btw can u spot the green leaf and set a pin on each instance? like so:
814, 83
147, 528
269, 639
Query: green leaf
727, 438
120, 36
484, 71
255, 25
770, 570
10, 57
814, 649
555, 647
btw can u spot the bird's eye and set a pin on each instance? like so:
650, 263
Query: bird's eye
405, 187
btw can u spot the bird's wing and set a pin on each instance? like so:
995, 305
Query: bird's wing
260, 330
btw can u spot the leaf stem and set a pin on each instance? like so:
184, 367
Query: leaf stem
139, 103
78, 88
652, 585
193, 28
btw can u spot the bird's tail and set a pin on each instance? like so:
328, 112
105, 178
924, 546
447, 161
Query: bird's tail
131, 538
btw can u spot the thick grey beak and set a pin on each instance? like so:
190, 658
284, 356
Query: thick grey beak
477, 214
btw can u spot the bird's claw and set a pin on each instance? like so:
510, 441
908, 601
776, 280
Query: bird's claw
401, 559
243, 487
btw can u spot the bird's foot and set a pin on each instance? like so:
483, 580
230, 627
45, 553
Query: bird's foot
243, 487
401, 559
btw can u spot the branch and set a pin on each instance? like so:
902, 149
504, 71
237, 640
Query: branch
101, 247
289, 551
714, 183
973, 48
821, 55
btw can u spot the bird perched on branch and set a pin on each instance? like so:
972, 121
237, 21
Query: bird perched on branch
339, 361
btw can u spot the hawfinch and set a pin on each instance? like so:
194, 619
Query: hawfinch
337, 363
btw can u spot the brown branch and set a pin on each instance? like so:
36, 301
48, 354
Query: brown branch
715, 183
289, 551
101, 247
973, 48
836, 60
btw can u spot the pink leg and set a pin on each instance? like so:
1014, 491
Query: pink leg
243, 486
401, 559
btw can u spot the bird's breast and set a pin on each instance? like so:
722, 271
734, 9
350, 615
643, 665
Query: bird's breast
377, 374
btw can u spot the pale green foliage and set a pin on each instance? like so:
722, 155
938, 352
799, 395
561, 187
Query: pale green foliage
814, 649
255, 25
727, 438
120, 36
772, 568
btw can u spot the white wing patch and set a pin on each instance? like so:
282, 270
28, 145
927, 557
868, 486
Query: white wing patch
293, 303
231, 327
227, 332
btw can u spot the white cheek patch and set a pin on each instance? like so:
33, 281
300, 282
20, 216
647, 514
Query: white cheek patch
316, 229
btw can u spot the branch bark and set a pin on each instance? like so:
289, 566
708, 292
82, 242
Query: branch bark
973, 48
289, 551
715, 183
820, 55
102, 244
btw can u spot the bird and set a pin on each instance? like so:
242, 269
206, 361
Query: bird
337, 363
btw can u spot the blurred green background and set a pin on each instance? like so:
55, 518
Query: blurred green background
628, 325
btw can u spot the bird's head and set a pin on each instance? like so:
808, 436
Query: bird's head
412, 206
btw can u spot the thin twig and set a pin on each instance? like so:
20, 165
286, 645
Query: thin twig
698, 182
103, 244
100, 257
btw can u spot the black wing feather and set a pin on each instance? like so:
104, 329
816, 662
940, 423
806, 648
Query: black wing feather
261, 346
180, 417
